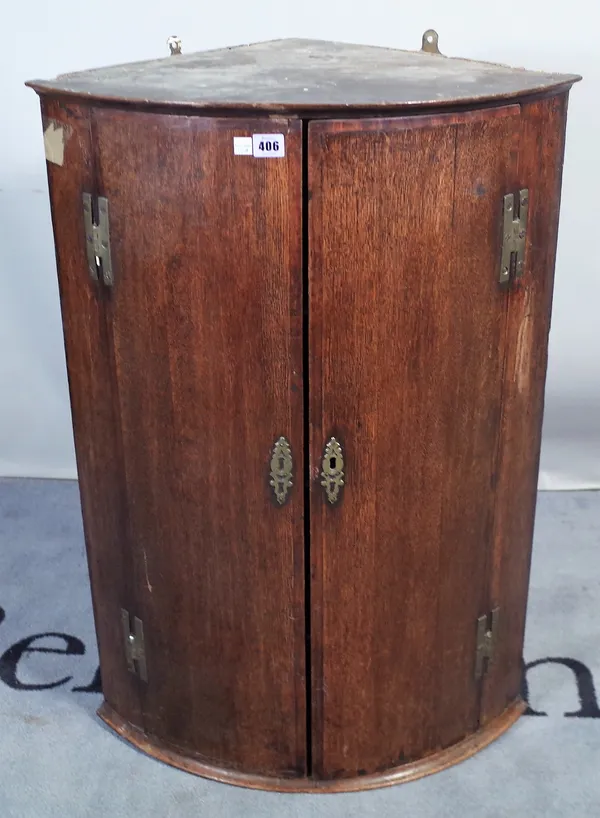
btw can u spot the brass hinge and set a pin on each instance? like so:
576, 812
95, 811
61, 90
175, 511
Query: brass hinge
97, 240
514, 233
487, 634
135, 651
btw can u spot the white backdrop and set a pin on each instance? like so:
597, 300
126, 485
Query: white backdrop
41, 39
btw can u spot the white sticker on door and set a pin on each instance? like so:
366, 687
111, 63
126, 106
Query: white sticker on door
268, 145
242, 145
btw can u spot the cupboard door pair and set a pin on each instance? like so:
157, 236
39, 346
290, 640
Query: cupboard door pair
187, 370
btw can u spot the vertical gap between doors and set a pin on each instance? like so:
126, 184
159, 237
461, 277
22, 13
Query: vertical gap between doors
306, 445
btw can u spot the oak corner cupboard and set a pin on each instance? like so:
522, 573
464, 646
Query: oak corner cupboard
306, 291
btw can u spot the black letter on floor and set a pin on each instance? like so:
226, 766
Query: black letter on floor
10, 659
585, 687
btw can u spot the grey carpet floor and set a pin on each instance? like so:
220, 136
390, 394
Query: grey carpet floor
58, 760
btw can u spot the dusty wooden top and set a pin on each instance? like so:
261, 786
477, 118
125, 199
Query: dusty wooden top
295, 75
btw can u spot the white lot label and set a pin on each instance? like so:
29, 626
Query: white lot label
268, 144
242, 145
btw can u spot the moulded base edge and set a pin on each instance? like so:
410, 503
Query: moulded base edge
407, 772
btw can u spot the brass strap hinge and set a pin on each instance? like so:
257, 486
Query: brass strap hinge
135, 651
487, 634
97, 240
514, 233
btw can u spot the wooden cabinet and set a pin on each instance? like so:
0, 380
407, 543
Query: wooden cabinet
306, 294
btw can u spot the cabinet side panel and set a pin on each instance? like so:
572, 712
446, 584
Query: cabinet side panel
206, 323
470, 400
93, 405
407, 348
540, 170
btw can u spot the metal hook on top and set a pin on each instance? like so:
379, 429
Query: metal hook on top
174, 44
430, 42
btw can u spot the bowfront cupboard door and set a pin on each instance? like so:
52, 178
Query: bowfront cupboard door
408, 335
204, 324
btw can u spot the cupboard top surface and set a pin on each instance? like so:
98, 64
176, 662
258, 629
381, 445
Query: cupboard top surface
297, 74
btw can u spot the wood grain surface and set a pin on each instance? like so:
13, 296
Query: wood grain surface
95, 413
430, 764
205, 322
369, 255
540, 170
408, 337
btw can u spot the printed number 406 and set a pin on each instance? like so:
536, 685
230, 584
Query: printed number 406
264, 144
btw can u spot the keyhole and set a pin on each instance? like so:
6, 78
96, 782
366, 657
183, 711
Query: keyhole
281, 463
332, 463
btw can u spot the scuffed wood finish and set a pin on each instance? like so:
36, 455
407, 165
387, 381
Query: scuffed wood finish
298, 76
205, 319
407, 333
540, 169
96, 421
